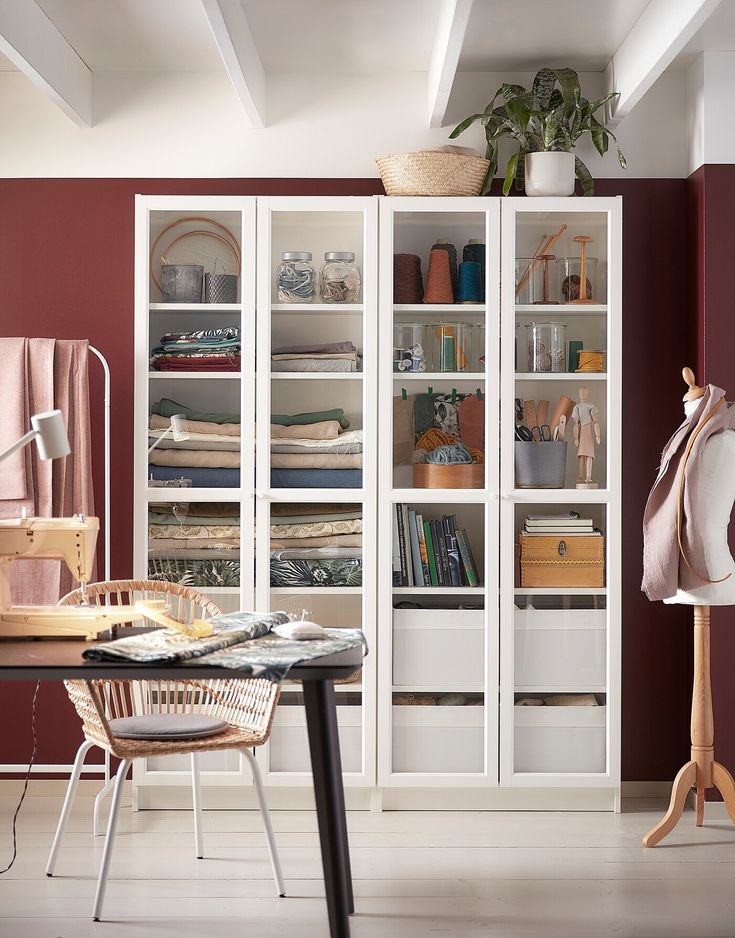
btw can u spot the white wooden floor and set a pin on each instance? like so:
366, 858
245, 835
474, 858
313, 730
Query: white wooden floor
417, 875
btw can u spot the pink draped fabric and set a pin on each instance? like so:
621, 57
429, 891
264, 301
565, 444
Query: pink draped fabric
39, 375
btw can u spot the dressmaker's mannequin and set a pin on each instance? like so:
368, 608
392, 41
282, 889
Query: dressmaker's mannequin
713, 503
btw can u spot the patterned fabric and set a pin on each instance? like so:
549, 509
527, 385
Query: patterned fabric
339, 572
193, 530
190, 572
317, 528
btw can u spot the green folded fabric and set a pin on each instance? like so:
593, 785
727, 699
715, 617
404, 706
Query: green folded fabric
167, 408
292, 420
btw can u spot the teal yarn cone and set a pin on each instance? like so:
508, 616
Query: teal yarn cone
470, 283
474, 250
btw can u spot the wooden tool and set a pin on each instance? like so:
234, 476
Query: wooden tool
565, 406
542, 412
562, 428
530, 413
583, 241
545, 258
545, 248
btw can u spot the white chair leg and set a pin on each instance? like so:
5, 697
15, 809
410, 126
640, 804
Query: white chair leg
68, 802
98, 804
270, 839
110, 839
196, 791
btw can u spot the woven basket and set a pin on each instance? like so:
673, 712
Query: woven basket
432, 173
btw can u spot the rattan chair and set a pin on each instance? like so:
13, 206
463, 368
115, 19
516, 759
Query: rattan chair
246, 705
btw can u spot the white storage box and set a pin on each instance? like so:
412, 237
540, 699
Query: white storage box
564, 648
559, 739
443, 648
438, 739
288, 746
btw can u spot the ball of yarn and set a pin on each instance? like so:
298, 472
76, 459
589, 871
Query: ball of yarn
419, 455
453, 454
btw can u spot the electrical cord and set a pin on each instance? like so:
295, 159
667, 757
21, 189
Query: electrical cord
27, 779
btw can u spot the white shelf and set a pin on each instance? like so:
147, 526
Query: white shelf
336, 309
562, 496
561, 376
560, 591
173, 494
314, 495
438, 688
438, 375
561, 689
317, 376
194, 375
439, 496
439, 590
455, 309
563, 309
316, 590
195, 307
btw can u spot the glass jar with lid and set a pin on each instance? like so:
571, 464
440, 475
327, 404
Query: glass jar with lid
339, 278
295, 277
546, 342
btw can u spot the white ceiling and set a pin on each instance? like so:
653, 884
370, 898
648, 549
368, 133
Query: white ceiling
716, 35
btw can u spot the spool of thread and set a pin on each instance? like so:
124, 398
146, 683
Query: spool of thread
474, 250
591, 362
451, 250
470, 278
438, 278
408, 284
575, 347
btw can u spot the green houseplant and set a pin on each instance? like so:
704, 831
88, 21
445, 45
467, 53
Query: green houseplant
548, 119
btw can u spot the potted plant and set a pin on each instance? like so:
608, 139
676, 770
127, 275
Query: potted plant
547, 122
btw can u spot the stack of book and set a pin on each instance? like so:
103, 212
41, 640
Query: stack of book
566, 524
430, 552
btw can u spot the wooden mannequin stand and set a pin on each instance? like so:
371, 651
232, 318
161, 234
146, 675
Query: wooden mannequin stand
701, 772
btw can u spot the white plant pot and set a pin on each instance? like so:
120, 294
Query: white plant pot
549, 173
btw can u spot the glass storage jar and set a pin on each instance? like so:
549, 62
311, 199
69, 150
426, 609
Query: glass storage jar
537, 280
454, 346
295, 278
546, 342
569, 280
339, 278
411, 347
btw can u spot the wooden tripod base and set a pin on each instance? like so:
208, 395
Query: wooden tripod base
701, 772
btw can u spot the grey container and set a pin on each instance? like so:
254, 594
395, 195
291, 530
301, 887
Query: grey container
182, 283
540, 465
220, 288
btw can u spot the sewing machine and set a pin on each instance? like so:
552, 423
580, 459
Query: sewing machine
74, 541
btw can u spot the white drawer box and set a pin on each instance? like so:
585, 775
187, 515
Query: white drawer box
288, 746
443, 648
563, 648
559, 739
438, 739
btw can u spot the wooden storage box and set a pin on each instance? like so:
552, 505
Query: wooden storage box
436, 476
562, 561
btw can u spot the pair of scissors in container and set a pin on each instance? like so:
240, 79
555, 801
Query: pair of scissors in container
540, 434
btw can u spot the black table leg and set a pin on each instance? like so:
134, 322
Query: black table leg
321, 721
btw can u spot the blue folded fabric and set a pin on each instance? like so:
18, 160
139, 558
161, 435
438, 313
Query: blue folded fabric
316, 478
202, 477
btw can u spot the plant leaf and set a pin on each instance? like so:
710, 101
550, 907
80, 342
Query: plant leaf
599, 136
467, 122
510, 173
520, 172
543, 88
569, 82
584, 176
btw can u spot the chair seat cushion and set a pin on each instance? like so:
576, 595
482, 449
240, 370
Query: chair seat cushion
164, 726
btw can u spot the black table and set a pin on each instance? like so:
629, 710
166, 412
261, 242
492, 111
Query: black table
56, 660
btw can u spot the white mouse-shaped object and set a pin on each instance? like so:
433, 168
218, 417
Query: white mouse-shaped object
299, 631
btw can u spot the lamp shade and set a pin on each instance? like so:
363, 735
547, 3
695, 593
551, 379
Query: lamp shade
52, 441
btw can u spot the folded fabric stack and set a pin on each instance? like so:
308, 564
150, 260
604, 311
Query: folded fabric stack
210, 456
331, 357
313, 451
194, 543
204, 350
316, 545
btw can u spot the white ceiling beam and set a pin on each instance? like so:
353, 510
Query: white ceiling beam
662, 31
235, 42
35, 46
453, 19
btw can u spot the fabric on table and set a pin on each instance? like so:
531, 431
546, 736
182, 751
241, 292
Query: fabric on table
201, 477
316, 553
472, 422
317, 528
321, 430
195, 571
183, 551
196, 363
295, 356
157, 422
293, 420
314, 508
157, 517
193, 531
228, 332
324, 348
229, 443
335, 572
214, 459
316, 460
215, 509
331, 540
317, 446
168, 408
314, 365
177, 543
198, 347
316, 478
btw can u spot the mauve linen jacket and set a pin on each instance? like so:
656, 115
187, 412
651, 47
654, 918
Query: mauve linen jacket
664, 571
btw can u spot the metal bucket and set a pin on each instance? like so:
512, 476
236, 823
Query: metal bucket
182, 283
540, 465
220, 288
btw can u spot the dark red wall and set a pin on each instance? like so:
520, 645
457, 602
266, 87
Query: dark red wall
67, 250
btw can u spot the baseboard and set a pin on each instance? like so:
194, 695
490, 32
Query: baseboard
646, 789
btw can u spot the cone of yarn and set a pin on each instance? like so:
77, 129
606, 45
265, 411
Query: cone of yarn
469, 290
474, 250
451, 250
408, 285
438, 278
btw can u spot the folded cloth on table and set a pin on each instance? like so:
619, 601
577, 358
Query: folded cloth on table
328, 572
323, 349
213, 509
201, 477
331, 540
316, 460
193, 553
197, 543
292, 420
186, 531
157, 422
213, 459
168, 408
157, 517
203, 335
334, 356
348, 442
321, 430
207, 570
167, 362
315, 553
317, 528
307, 519
326, 365
316, 478
328, 512
230, 443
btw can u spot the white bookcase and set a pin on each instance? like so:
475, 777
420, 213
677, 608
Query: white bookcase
505, 642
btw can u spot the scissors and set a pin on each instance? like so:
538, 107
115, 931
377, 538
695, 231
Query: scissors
541, 434
523, 434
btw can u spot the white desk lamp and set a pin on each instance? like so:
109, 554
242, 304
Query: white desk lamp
176, 427
49, 433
